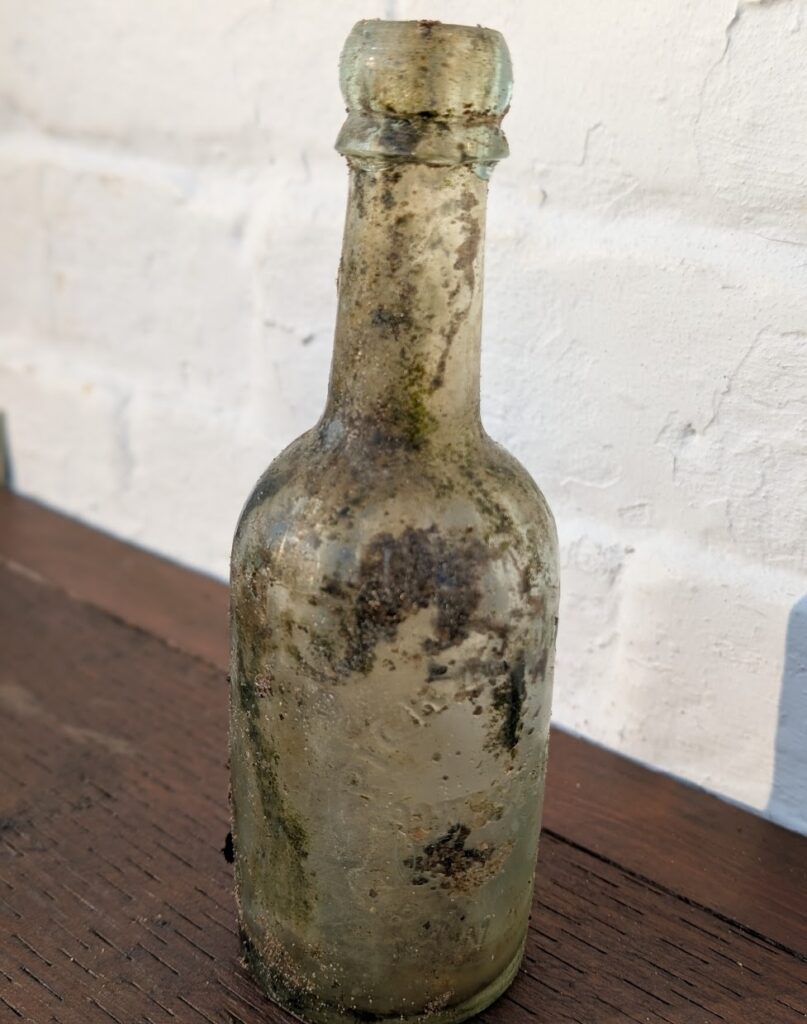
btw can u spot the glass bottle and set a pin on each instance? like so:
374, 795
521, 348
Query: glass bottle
395, 592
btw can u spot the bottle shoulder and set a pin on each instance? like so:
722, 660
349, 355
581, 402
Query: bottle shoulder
512, 478
328, 502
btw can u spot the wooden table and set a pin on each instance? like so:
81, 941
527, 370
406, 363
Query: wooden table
655, 902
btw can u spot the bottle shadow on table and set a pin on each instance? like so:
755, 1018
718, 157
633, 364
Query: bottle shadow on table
787, 804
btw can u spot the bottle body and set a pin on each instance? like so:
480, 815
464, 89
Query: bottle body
391, 690
394, 593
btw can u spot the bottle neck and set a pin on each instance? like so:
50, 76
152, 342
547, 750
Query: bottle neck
406, 352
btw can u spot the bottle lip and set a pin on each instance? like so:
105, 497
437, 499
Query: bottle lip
425, 91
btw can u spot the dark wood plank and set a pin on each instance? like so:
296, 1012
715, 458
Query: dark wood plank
115, 899
712, 853
185, 608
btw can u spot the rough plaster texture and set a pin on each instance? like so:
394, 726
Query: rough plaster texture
171, 211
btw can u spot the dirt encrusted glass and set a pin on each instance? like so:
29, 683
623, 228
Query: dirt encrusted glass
395, 592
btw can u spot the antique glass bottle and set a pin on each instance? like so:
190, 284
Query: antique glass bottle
395, 591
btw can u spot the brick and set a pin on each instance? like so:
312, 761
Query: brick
126, 273
67, 441
24, 292
699, 685
592, 562
751, 132
651, 375
192, 470
181, 80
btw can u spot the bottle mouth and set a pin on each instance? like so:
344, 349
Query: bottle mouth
426, 92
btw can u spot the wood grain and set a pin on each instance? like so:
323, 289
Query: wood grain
115, 898
712, 853
186, 609
738, 865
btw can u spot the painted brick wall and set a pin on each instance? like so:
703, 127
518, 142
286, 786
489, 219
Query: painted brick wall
171, 211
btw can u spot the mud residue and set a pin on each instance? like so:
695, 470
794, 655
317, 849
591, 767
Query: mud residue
448, 333
399, 575
391, 321
448, 860
487, 498
508, 700
464, 264
468, 249
358, 180
413, 418
279, 858
277, 973
228, 850
248, 621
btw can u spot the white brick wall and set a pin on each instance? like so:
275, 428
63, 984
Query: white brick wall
171, 212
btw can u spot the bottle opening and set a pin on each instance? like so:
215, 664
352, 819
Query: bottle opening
426, 92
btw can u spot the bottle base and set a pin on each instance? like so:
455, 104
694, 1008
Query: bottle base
310, 1010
